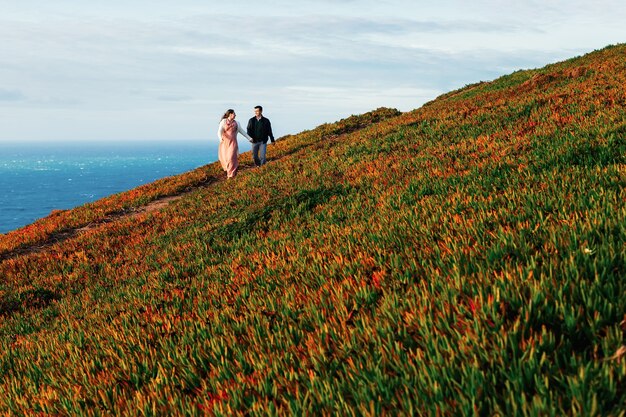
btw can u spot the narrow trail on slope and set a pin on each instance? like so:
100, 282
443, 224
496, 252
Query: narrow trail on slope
154, 205
162, 202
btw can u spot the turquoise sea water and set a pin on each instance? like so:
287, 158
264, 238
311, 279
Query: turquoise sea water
36, 178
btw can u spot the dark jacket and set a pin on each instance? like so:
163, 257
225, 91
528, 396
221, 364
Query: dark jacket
263, 131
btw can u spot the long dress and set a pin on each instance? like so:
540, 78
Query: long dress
229, 149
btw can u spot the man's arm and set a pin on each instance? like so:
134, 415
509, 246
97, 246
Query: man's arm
250, 128
269, 127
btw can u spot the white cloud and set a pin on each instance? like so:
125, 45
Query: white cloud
146, 66
11, 95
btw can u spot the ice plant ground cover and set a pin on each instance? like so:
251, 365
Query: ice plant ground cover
465, 258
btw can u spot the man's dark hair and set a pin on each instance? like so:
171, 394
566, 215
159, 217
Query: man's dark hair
260, 108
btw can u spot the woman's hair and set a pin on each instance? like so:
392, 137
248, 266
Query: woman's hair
228, 113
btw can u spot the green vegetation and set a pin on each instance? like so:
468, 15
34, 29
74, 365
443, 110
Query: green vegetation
466, 258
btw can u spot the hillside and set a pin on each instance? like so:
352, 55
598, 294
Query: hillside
465, 258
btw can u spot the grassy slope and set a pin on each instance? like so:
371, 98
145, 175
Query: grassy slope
462, 258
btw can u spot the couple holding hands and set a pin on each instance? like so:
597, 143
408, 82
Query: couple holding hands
258, 132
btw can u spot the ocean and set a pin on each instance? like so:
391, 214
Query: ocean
36, 178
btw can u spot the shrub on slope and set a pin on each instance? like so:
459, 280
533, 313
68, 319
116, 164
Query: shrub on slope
464, 258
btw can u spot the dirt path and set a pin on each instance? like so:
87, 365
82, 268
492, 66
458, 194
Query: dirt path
65, 234
158, 204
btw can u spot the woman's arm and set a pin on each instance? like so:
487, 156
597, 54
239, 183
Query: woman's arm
243, 132
220, 130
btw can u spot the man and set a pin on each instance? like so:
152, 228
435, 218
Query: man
260, 129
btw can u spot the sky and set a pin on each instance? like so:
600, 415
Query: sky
115, 70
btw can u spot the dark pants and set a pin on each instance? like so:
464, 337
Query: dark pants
258, 153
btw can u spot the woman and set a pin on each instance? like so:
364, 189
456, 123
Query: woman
229, 149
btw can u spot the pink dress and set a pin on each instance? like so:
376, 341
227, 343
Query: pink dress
229, 148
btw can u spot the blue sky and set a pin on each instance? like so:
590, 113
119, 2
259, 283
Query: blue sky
162, 70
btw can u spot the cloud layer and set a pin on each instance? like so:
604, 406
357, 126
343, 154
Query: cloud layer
154, 71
